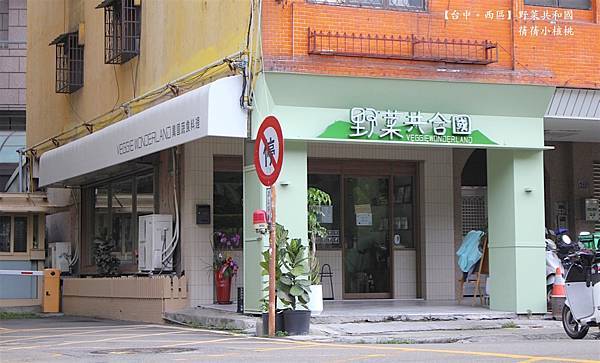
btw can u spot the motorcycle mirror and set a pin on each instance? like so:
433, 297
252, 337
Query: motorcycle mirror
565, 239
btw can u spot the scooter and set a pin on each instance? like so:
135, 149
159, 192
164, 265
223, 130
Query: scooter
582, 305
552, 263
565, 247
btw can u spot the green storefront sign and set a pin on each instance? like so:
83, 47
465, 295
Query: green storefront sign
366, 123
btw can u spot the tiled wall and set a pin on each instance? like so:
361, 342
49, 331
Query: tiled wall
436, 218
13, 55
334, 259
405, 274
195, 239
437, 221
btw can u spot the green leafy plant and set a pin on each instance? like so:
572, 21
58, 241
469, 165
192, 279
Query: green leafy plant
316, 198
106, 263
281, 237
293, 286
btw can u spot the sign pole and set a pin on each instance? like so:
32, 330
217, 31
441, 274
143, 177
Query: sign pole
268, 159
272, 261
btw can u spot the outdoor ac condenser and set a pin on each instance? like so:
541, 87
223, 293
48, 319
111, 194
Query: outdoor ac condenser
155, 234
60, 255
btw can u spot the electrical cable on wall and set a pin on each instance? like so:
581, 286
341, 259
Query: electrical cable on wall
170, 250
139, 103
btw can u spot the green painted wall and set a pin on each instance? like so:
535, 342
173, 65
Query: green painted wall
291, 198
516, 230
291, 213
254, 243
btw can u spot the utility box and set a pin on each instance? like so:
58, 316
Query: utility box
60, 255
155, 238
51, 298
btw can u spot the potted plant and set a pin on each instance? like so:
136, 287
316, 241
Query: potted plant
224, 268
316, 199
293, 288
280, 239
106, 263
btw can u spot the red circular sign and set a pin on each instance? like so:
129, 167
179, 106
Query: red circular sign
268, 151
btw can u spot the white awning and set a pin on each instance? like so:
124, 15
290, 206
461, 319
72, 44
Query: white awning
211, 110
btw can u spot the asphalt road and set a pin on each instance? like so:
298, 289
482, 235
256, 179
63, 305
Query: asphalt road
89, 340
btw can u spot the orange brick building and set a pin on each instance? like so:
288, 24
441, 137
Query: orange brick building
363, 89
541, 56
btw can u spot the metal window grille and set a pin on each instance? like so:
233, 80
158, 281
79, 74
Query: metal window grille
69, 63
596, 187
417, 5
122, 30
409, 47
567, 4
474, 209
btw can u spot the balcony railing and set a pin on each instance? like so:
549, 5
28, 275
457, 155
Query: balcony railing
409, 47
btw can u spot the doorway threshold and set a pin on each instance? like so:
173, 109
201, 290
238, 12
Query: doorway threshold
351, 311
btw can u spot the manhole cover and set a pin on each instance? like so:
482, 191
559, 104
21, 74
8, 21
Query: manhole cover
143, 351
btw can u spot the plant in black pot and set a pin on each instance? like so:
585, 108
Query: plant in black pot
281, 236
293, 288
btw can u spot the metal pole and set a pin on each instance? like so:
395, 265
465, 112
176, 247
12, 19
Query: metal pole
20, 151
272, 246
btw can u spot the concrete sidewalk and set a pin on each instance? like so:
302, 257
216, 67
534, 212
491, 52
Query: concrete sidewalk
426, 332
388, 321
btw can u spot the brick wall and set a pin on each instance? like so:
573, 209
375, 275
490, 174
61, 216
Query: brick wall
572, 60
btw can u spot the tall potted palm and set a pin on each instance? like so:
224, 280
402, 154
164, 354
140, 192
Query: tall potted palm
316, 199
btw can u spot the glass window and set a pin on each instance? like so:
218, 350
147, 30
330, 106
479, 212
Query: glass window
404, 224
114, 210
378, 4
145, 194
567, 4
228, 209
100, 218
121, 217
331, 217
36, 232
5, 233
20, 234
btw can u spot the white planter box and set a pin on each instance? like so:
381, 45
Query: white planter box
315, 305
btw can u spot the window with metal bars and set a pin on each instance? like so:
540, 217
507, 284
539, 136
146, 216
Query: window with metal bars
474, 209
567, 4
418, 5
122, 28
69, 62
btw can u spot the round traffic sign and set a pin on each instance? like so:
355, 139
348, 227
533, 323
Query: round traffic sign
268, 151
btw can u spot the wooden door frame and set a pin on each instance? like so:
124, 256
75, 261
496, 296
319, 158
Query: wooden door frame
379, 168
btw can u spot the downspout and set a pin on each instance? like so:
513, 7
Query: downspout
515, 12
20, 151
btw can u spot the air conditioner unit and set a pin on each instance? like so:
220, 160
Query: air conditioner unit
155, 234
60, 255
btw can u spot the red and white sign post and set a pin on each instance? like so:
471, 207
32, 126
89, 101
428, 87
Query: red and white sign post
268, 159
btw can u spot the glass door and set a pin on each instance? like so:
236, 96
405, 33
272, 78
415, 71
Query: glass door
367, 261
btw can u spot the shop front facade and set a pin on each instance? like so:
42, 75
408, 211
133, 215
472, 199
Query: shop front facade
383, 149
